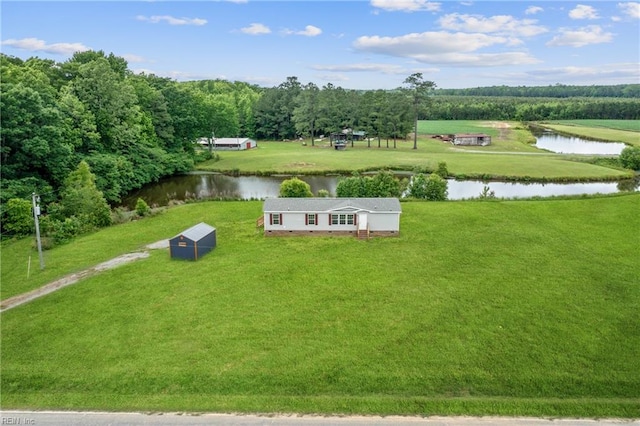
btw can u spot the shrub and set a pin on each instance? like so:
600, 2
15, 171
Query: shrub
323, 193
81, 198
630, 157
120, 215
62, 231
384, 184
442, 171
294, 187
142, 208
487, 193
433, 187
17, 218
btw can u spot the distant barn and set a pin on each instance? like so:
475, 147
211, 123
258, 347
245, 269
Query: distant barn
234, 144
229, 144
193, 243
475, 139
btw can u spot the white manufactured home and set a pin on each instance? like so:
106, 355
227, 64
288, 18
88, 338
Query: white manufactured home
362, 217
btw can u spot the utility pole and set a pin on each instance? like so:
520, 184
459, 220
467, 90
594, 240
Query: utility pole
36, 212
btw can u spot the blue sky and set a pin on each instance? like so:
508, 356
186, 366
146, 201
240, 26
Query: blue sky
363, 44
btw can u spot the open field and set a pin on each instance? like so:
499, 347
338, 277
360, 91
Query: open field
292, 158
504, 307
626, 131
510, 156
628, 125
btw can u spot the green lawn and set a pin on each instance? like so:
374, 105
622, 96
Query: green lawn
293, 158
504, 307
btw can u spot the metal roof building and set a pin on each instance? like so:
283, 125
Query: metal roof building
194, 242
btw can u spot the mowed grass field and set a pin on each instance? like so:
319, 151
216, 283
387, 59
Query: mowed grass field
510, 156
500, 307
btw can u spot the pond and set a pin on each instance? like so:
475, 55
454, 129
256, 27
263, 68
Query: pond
551, 141
216, 186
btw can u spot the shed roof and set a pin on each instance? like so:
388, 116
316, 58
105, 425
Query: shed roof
389, 205
196, 232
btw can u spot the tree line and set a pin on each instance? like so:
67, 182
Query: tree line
130, 129
550, 91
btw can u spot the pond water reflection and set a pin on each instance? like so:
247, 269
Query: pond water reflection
561, 144
216, 186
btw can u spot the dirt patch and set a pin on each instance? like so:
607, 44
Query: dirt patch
301, 164
504, 128
162, 244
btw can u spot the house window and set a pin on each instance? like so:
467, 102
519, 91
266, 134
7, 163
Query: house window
343, 219
276, 218
312, 219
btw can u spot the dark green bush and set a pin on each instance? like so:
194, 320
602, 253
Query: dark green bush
630, 157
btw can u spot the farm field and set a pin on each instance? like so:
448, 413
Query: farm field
628, 125
510, 156
477, 308
627, 131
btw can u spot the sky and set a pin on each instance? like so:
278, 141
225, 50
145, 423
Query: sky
361, 44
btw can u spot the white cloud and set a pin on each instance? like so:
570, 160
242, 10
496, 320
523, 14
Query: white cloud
178, 75
406, 5
37, 45
583, 12
431, 42
309, 31
444, 48
532, 10
632, 9
600, 74
256, 29
591, 34
499, 24
333, 77
155, 19
368, 67
388, 69
133, 58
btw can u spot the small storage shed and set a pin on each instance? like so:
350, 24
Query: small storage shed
194, 242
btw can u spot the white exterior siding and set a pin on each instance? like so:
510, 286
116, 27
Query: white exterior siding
384, 222
381, 215
234, 144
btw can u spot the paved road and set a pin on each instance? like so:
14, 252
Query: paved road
69, 418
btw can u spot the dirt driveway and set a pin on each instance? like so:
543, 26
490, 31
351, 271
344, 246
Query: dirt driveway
70, 279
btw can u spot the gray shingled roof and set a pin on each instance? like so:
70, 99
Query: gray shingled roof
330, 204
196, 232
